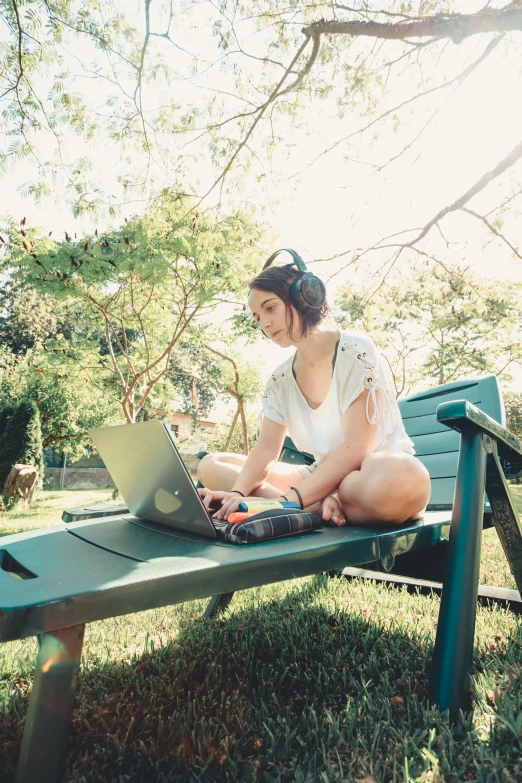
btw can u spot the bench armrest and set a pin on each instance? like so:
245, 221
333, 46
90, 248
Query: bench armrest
461, 415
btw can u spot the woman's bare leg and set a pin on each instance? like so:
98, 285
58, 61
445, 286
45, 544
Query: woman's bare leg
389, 487
220, 471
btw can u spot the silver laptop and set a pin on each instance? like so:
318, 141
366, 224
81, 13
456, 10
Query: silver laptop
146, 467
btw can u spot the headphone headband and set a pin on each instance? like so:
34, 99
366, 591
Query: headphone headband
298, 261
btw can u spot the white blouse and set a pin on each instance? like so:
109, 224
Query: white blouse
319, 431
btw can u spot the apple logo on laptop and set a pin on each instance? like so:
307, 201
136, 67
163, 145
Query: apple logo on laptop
166, 502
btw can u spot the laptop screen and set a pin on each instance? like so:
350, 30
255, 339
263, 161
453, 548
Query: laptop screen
147, 469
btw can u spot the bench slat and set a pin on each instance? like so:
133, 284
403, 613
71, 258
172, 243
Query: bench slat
436, 443
442, 492
421, 407
423, 425
441, 465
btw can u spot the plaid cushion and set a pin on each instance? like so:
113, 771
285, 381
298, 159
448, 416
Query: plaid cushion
274, 523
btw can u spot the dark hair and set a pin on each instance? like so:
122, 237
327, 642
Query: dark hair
278, 280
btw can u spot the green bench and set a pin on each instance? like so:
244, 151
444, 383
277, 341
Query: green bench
55, 581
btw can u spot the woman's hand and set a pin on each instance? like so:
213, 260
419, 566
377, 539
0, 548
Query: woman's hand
331, 512
229, 501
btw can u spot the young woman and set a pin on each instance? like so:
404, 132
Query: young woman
335, 398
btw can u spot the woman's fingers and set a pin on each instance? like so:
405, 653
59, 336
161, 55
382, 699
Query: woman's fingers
229, 502
210, 495
228, 506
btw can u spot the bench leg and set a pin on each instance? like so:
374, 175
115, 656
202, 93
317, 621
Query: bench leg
505, 517
49, 714
453, 653
217, 604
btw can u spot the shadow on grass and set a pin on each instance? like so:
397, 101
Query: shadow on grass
283, 690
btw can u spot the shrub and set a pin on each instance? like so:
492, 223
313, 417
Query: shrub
5, 415
20, 439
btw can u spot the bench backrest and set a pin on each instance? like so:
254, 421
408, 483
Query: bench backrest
436, 446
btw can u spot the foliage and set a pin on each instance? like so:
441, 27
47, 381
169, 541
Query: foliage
249, 381
21, 439
211, 365
28, 319
140, 286
241, 380
6, 412
67, 403
436, 323
513, 403
196, 375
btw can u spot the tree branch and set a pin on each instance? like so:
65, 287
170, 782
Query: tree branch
493, 230
455, 26
457, 80
20, 53
500, 168
273, 95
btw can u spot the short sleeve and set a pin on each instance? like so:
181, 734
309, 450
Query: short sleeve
271, 406
363, 367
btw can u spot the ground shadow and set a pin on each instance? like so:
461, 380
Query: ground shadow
282, 690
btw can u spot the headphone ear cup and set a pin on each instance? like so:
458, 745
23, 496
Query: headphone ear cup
308, 291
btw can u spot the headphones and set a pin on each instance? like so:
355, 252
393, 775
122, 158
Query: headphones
306, 291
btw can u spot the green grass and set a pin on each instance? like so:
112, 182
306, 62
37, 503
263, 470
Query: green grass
309, 680
47, 509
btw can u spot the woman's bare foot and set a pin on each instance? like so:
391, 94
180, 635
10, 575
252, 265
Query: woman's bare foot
331, 511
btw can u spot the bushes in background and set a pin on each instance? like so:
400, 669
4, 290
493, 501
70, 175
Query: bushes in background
20, 438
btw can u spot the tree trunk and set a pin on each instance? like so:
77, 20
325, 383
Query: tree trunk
129, 409
20, 484
241, 410
231, 430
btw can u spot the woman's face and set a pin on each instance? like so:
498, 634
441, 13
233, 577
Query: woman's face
269, 311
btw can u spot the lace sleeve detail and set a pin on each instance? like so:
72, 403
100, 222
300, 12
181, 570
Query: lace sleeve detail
365, 368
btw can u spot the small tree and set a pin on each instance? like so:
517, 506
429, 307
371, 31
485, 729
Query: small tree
68, 404
196, 374
21, 440
437, 324
227, 436
241, 381
214, 366
138, 288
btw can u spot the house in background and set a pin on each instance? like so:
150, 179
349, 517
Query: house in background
91, 473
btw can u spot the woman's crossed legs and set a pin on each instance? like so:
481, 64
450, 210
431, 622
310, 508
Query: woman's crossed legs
389, 487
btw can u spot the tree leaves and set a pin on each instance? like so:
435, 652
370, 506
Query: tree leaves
139, 288
436, 325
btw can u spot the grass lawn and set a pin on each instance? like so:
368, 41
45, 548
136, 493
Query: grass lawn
309, 680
